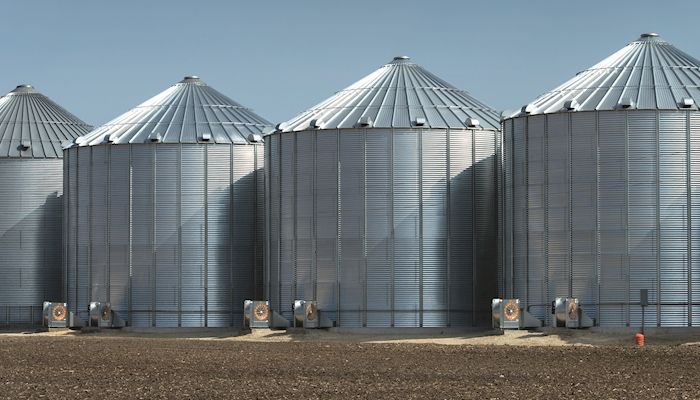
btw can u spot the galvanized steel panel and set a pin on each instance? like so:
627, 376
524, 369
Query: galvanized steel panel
172, 231
30, 232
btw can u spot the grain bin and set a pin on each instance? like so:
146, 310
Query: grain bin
32, 129
600, 181
163, 209
381, 204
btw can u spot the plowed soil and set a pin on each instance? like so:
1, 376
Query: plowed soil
131, 367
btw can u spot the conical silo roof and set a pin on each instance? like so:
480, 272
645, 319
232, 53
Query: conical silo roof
397, 95
189, 111
648, 73
33, 126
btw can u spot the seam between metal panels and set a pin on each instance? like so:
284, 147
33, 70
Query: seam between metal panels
232, 239
570, 232
475, 263
314, 193
448, 205
278, 186
338, 226
108, 248
179, 236
364, 226
598, 265
295, 183
420, 228
658, 220
393, 236
627, 221
526, 164
153, 271
90, 224
689, 219
206, 235
131, 241
545, 215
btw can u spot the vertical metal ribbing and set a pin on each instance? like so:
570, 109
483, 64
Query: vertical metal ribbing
131, 240
279, 220
545, 214
420, 227
597, 217
364, 227
206, 235
231, 218
658, 224
64, 225
179, 236
109, 224
154, 288
90, 224
627, 219
338, 207
526, 128
391, 222
314, 192
448, 194
511, 224
689, 224
472, 190
295, 172
569, 179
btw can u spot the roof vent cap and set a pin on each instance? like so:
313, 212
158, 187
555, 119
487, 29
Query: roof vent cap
155, 137
280, 126
401, 58
67, 144
528, 109
687, 102
365, 122
472, 122
24, 146
110, 138
650, 34
315, 123
626, 102
420, 121
571, 105
255, 138
206, 137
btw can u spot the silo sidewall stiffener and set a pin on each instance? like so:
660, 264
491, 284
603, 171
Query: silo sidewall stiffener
169, 233
599, 205
383, 227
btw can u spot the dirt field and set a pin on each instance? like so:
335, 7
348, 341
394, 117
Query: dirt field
326, 366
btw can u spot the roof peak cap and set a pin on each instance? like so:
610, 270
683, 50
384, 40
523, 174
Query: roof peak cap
24, 88
400, 60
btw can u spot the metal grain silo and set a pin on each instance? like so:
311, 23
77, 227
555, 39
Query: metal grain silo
32, 129
381, 204
600, 181
163, 210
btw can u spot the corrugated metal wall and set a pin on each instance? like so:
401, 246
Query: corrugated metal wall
384, 227
600, 205
30, 237
168, 233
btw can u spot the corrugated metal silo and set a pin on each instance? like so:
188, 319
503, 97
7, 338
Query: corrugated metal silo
381, 204
164, 211
32, 130
600, 181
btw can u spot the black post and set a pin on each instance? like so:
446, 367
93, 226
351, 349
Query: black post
644, 302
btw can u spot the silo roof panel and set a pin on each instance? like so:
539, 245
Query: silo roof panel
649, 71
33, 126
181, 114
393, 96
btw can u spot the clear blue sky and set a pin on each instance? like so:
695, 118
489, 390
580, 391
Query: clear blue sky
100, 58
